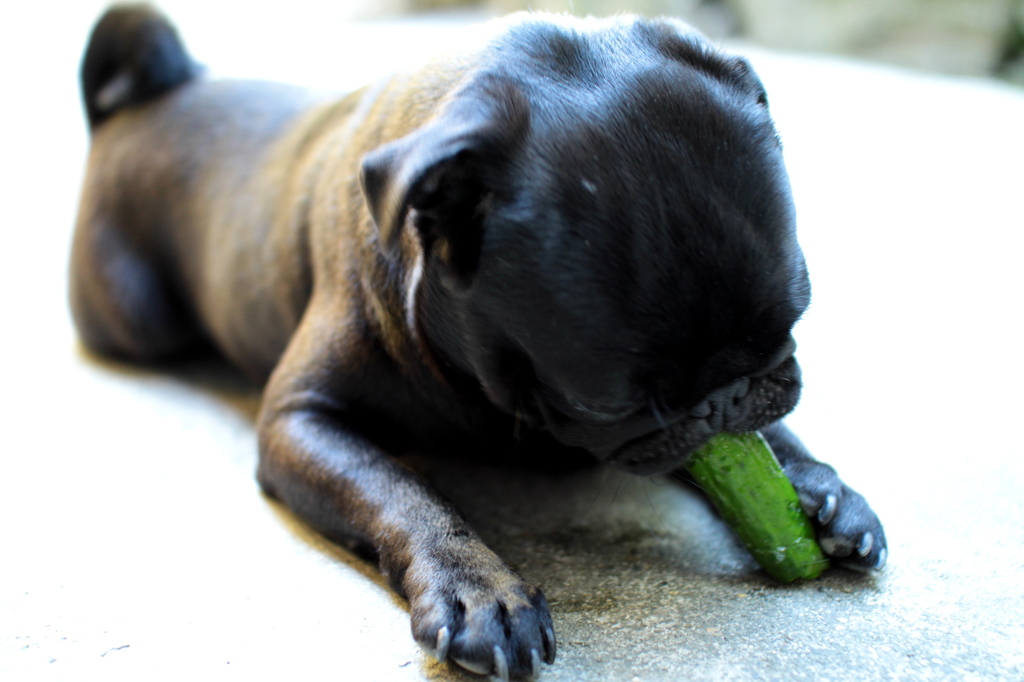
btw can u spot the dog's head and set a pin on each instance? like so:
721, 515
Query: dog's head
607, 238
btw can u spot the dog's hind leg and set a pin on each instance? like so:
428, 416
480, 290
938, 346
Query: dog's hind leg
121, 304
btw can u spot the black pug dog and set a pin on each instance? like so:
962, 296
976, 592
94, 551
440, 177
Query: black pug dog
578, 236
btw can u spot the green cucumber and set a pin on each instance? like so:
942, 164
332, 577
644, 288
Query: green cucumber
744, 481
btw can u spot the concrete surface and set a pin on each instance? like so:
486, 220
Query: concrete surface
134, 543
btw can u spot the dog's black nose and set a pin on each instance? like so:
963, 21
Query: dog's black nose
725, 409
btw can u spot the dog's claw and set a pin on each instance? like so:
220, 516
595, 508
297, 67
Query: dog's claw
500, 664
828, 509
550, 647
478, 668
534, 664
883, 556
444, 640
866, 543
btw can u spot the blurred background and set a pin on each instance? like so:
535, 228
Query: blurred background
964, 37
957, 37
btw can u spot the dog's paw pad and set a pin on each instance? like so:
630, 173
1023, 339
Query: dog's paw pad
444, 640
827, 509
500, 664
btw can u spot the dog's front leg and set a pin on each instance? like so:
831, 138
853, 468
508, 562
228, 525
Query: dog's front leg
847, 528
466, 604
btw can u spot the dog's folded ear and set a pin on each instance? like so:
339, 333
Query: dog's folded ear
438, 178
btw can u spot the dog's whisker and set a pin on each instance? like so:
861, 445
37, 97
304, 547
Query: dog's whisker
618, 487
653, 400
544, 411
597, 493
654, 509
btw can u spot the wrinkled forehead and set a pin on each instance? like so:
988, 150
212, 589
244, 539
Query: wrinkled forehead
648, 206
614, 214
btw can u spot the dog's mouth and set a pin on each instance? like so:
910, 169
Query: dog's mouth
641, 433
663, 450
651, 444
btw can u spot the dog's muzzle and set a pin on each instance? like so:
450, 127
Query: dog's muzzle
749, 404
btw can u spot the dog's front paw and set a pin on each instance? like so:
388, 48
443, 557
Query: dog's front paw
481, 615
848, 530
